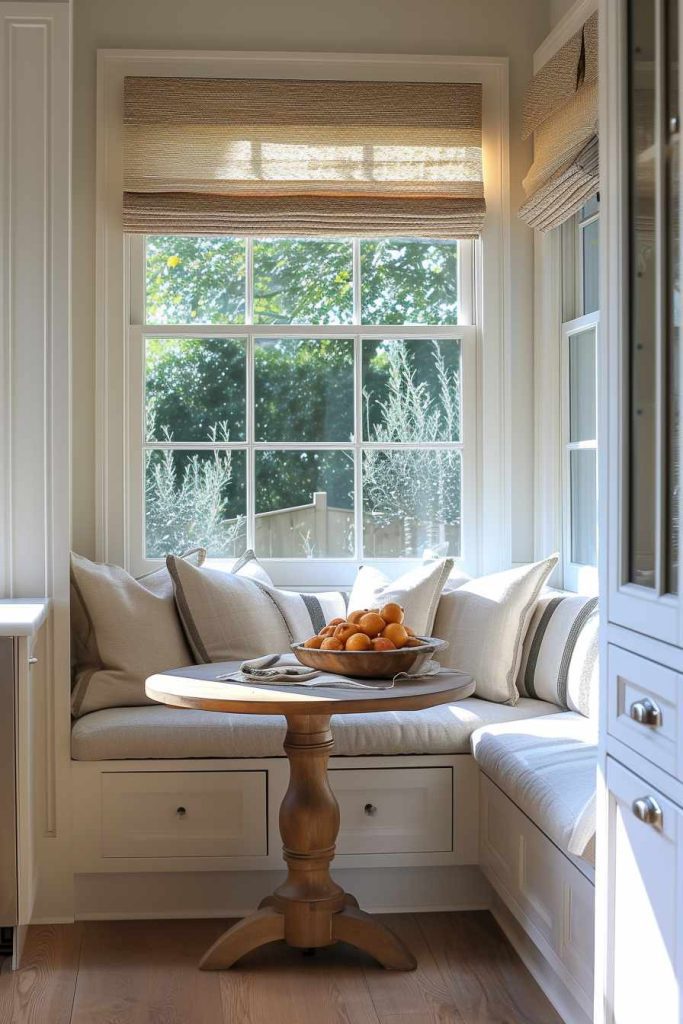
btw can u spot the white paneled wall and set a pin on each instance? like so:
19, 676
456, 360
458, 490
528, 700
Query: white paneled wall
35, 142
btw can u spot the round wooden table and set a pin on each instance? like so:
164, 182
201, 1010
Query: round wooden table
309, 909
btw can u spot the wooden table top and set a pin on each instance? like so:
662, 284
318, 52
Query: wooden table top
197, 687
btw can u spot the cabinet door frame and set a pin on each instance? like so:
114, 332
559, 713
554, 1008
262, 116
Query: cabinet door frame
642, 609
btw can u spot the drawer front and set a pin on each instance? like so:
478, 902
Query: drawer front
394, 810
644, 707
645, 893
183, 814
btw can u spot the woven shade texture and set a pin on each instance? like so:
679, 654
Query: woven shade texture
298, 157
561, 109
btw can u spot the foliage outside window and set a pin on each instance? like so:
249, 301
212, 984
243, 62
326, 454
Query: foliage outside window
302, 395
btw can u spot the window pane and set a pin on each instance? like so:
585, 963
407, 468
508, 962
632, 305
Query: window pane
411, 501
643, 121
304, 504
195, 389
411, 391
195, 499
590, 207
195, 280
406, 282
303, 281
591, 271
303, 389
673, 304
582, 385
582, 469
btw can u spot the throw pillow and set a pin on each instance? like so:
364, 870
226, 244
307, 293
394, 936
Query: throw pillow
123, 630
485, 622
417, 591
230, 617
560, 654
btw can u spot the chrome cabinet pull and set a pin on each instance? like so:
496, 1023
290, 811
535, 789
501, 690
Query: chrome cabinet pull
181, 812
646, 712
33, 661
370, 809
647, 810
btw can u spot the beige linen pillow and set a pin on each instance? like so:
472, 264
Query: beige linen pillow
230, 617
417, 591
485, 622
123, 630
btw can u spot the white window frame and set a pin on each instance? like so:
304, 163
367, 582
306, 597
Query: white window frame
583, 579
486, 341
300, 571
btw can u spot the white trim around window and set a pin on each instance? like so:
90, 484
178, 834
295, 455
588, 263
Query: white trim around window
485, 336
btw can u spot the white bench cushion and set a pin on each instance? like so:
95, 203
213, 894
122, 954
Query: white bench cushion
547, 766
160, 732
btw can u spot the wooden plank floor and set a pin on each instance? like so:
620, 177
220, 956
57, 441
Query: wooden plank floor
145, 972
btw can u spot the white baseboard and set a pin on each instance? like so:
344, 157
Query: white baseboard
236, 893
537, 965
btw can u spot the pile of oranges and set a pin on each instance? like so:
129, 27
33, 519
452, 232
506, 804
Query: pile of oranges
371, 629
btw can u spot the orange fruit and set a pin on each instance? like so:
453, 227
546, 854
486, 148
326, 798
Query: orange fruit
358, 642
396, 633
371, 623
356, 616
412, 641
330, 643
327, 631
335, 622
346, 630
383, 643
409, 631
392, 612
314, 643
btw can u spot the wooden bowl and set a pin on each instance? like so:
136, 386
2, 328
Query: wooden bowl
370, 664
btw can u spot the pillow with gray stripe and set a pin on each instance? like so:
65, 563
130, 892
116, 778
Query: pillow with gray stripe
228, 616
560, 655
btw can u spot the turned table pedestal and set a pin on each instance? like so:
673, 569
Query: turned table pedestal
309, 909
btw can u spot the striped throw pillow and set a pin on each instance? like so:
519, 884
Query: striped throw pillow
229, 616
560, 654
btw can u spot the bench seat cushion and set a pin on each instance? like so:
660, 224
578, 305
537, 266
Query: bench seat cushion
547, 766
144, 733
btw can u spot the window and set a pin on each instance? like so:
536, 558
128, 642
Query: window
579, 390
310, 398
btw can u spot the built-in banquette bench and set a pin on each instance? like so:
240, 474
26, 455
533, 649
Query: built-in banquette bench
437, 806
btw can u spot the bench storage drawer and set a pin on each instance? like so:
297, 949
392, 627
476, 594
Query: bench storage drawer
394, 810
184, 814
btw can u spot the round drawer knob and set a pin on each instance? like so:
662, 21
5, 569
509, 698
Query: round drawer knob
370, 809
646, 712
181, 812
647, 810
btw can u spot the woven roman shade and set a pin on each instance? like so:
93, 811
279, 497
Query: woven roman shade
561, 110
262, 156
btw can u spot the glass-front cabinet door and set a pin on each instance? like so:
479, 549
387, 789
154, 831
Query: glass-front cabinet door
644, 425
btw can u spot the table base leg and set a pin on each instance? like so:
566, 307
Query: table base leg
309, 910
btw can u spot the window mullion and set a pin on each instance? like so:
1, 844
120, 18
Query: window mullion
249, 283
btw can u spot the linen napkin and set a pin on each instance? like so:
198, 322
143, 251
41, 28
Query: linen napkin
285, 668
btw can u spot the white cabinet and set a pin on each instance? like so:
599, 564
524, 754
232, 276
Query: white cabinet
639, 885
645, 919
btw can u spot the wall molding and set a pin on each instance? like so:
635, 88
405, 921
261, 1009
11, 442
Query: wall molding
571, 22
35, 184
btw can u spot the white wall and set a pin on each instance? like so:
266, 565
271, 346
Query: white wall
462, 27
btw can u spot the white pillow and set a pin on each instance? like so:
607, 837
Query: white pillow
229, 617
485, 622
417, 591
123, 630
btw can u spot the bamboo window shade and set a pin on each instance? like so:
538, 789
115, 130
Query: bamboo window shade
561, 110
285, 157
